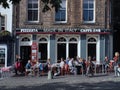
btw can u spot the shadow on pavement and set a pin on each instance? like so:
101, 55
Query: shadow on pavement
109, 85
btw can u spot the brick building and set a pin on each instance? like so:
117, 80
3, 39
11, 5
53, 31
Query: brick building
80, 28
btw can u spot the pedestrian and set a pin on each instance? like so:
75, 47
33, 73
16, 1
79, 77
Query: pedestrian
89, 66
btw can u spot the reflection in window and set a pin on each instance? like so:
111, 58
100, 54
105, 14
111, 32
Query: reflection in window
61, 14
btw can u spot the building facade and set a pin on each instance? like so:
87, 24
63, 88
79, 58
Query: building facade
6, 40
80, 28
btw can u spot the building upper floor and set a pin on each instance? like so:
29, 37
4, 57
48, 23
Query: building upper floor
6, 18
73, 13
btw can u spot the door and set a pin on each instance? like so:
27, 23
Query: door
72, 50
92, 50
43, 52
61, 51
25, 54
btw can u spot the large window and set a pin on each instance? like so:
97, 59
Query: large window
32, 10
88, 11
60, 16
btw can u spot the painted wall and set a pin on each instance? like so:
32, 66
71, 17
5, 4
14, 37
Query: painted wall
8, 13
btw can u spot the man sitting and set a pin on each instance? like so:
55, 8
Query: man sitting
28, 68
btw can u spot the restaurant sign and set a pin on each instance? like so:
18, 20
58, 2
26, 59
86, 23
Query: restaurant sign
45, 30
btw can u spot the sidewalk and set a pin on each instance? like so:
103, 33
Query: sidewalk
68, 82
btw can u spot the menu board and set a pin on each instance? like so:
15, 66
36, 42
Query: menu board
34, 51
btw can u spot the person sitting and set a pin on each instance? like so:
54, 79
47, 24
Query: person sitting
107, 64
28, 68
71, 66
41, 72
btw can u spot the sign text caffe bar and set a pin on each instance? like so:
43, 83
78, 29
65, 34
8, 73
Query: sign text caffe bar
54, 43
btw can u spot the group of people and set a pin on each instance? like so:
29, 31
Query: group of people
31, 67
70, 65
113, 65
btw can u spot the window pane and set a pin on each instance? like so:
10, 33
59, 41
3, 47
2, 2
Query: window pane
35, 15
57, 16
35, 5
32, 10
63, 4
85, 15
85, 1
91, 5
90, 15
60, 15
30, 15
29, 5
63, 15
88, 10
85, 5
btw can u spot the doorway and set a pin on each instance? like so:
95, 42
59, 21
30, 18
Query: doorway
43, 52
72, 50
25, 54
92, 50
61, 51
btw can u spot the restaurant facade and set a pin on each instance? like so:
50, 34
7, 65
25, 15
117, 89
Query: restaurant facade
80, 28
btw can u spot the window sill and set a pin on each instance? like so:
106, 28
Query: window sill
88, 23
33, 23
61, 23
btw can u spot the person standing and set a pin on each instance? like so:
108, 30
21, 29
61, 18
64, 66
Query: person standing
89, 66
116, 62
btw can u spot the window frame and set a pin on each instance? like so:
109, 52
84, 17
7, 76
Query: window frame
88, 9
4, 25
65, 13
33, 9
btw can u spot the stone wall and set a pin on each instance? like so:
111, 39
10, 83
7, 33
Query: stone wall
74, 16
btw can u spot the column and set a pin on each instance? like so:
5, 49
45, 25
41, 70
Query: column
83, 47
52, 48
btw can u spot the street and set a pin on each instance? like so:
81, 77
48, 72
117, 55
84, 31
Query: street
67, 82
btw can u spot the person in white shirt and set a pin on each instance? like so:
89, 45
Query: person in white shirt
62, 65
71, 66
